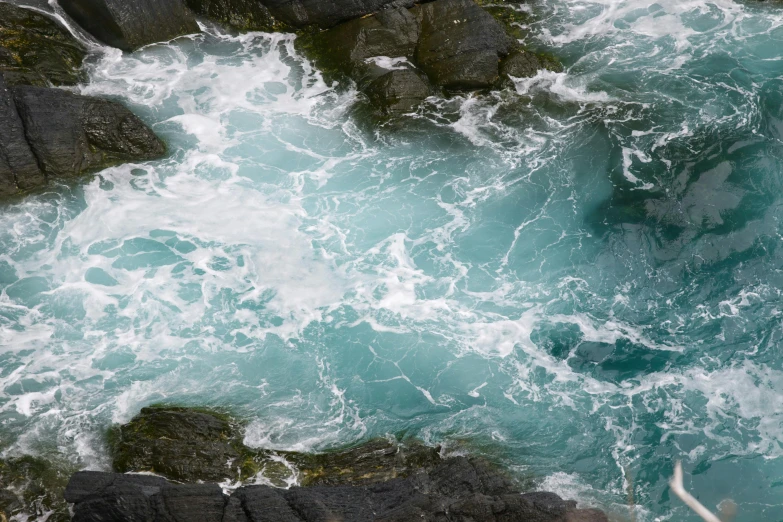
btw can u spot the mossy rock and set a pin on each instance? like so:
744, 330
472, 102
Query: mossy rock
33, 487
36, 50
193, 445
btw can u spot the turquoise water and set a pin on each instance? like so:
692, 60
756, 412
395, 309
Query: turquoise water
581, 278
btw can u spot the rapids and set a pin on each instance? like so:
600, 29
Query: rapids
582, 278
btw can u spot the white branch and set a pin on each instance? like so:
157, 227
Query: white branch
695, 505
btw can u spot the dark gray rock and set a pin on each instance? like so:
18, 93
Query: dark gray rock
525, 64
18, 166
244, 15
458, 489
129, 25
109, 497
398, 92
71, 134
392, 33
461, 45
327, 13
36, 50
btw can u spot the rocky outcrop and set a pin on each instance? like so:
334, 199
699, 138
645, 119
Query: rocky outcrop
457, 489
188, 445
36, 50
49, 133
244, 15
130, 25
328, 13
71, 134
378, 480
398, 57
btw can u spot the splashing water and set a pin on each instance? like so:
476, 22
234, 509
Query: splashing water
581, 278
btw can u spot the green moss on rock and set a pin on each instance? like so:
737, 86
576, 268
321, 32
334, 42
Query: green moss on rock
191, 445
36, 50
33, 487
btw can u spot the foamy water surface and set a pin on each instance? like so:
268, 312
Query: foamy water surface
580, 278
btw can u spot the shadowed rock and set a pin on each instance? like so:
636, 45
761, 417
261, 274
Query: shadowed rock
36, 50
244, 15
328, 13
71, 134
129, 25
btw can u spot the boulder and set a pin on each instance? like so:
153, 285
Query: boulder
18, 165
375, 52
71, 134
461, 45
36, 50
244, 15
180, 444
392, 33
328, 13
129, 25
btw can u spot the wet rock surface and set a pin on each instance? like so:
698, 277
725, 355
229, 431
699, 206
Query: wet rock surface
49, 133
33, 487
328, 13
36, 50
71, 134
244, 15
455, 490
130, 25
398, 56
378, 480
461, 45
19, 168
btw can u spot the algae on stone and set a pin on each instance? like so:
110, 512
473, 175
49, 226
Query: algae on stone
36, 50
32, 486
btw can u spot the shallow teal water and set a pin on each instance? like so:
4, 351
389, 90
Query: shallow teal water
582, 278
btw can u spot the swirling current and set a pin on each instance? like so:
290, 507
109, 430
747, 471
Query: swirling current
582, 278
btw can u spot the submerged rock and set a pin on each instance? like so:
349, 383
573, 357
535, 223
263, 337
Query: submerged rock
328, 13
130, 25
244, 15
71, 134
36, 50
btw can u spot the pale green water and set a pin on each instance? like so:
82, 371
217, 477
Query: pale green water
582, 279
